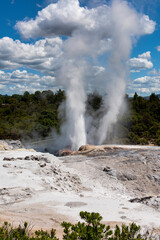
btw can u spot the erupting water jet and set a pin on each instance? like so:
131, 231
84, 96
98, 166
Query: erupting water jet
89, 35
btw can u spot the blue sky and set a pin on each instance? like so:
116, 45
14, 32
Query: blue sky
36, 70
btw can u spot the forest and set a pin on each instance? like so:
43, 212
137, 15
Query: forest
33, 116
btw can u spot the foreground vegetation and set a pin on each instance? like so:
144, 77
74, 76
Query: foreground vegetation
35, 115
90, 229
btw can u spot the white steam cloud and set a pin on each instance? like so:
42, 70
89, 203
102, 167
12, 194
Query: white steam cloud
106, 31
126, 24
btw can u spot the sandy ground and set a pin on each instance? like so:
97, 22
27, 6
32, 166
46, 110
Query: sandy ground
45, 190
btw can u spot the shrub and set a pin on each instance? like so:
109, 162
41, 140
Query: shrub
93, 229
8, 232
90, 229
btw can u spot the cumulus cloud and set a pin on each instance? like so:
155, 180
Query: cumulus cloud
146, 25
43, 55
145, 55
144, 79
154, 72
61, 18
145, 85
19, 81
66, 16
141, 63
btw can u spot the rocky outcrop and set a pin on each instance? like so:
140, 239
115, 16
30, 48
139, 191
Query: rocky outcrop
38, 185
28, 158
5, 146
89, 150
152, 201
10, 145
133, 168
65, 152
123, 176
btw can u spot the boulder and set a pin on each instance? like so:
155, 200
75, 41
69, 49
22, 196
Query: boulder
65, 152
15, 144
10, 145
86, 148
5, 146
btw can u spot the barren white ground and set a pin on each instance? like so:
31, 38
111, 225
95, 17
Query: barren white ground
45, 190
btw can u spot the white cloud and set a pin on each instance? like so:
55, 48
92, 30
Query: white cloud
91, 32
141, 63
144, 91
144, 79
43, 55
145, 85
20, 81
147, 26
134, 71
154, 72
61, 18
145, 55
66, 17
150, 80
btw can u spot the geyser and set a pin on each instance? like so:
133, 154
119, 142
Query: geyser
89, 35
73, 130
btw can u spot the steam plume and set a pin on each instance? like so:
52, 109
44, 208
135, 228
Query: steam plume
124, 26
90, 33
73, 130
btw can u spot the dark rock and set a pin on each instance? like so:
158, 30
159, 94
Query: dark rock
86, 148
107, 169
152, 201
119, 175
139, 200
9, 159
65, 152
15, 144
129, 176
27, 158
8, 165
42, 164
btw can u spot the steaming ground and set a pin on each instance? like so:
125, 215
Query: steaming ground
45, 190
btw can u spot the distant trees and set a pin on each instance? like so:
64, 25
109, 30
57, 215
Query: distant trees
95, 100
29, 115
34, 115
146, 113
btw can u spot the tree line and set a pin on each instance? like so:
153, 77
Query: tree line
35, 115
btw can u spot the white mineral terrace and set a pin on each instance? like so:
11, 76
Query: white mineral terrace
45, 190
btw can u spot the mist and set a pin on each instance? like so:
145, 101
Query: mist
122, 33
103, 31
80, 127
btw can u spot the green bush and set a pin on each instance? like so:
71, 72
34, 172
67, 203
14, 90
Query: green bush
8, 232
93, 229
90, 229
